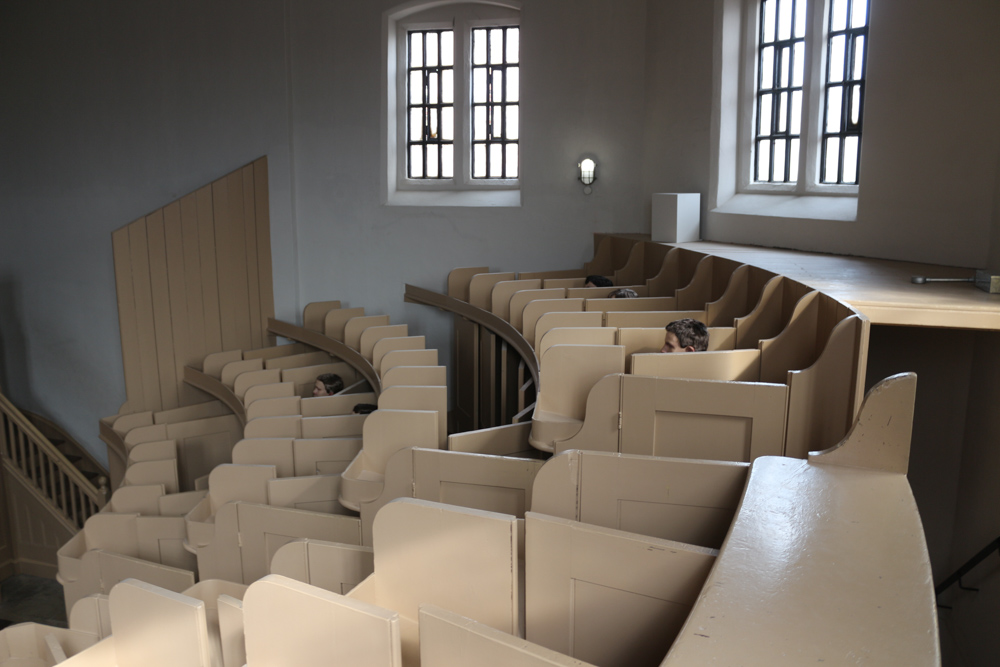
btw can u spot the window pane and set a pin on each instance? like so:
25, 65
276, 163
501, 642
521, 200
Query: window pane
834, 105
416, 124
448, 86
513, 84
479, 123
799, 64
511, 161
513, 45
838, 15
832, 159
432, 123
796, 123
768, 12
447, 48
448, 123
479, 47
767, 67
851, 160
416, 162
785, 58
447, 161
800, 18
416, 49
496, 46
779, 161
497, 88
496, 160
784, 19
859, 13
497, 122
793, 160
432, 49
512, 121
837, 50
432, 87
764, 160
765, 123
479, 161
782, 113
855, 104
416, 87
859, 57
432, 160
479, 84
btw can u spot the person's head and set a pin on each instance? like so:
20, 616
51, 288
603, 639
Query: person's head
624, 293
685, 335
598, 281
365, 408
328, 384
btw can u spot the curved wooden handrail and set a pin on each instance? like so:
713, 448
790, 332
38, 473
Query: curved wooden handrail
334, 347
494, 323
214, 387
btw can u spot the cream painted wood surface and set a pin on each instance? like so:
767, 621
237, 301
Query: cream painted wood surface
331, 566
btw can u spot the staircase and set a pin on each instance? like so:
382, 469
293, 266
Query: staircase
52, 486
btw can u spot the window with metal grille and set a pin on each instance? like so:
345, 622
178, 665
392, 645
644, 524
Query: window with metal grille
495, 97
844, 92
430, 104
809, 85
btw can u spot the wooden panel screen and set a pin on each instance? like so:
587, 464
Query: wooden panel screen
193, 277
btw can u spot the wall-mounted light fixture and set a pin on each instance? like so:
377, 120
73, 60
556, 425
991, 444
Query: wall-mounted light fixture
588, 174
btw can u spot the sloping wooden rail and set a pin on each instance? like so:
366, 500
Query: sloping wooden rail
29, 454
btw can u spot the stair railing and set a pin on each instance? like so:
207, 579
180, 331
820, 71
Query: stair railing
29, 453
956, 577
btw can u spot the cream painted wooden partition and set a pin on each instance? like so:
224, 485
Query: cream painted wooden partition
193, 278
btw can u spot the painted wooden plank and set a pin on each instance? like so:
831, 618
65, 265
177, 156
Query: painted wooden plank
253, 281
160, 292
131, 357
225, 266
173, 234
238, 284
193, 296
209, 270
145, 326
263, 218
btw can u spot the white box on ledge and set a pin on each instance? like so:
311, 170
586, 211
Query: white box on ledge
676, 217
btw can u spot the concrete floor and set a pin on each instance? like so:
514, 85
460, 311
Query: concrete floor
25, 597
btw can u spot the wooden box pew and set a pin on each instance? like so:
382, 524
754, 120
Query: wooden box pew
201, 445
462, 559
644, 263
481, 288
385, 433
654, 318
552, 275
298, 360
244, 382
610, 254
115, 546
304, 377
839, 531
564, 283
234, 532
157, 450
412, 376
536, 310
492, 483
356, 326
317, 406
386, 346
32, 644
676, 271
628, 614
566, 374
162, 471
460, 279
723, 365
408, 357
741, 296
125, 423
314, 314
287, 622
699, 419
708, 284
295, 457
821, 355
504, 290
271, 390
650, 339
772, 313
419, 398
553, 320
521, 298
331, 566
335, 322
641, 303
507, 440
451, 640
234, 368
689, 501
372, 335
577, 336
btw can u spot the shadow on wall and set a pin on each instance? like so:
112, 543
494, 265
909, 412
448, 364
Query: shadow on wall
14, 378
